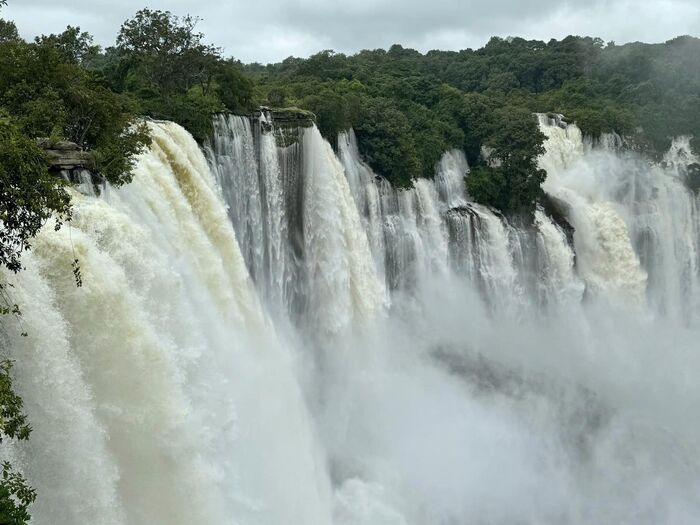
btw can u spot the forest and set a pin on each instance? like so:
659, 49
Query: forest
406, 107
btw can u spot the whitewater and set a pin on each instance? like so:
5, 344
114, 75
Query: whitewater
269, 333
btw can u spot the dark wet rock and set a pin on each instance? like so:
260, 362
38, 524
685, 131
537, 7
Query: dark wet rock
692, 178
558, 210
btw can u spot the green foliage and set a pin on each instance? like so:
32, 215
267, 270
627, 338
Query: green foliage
334, 111
29, 194
277, 97
486, 97
8, 31
114, 159
15, 495
162, 60
693, 178
49, 96
193, 110
233, 88
384, 134
13, 423
487, 184
73, 45
167, 52
514, 142
432, 136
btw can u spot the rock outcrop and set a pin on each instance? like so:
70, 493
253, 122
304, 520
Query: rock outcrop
68, 161
286, 117
558, 211
286, 124
65, 155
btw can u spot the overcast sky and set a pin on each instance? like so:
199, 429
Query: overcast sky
271, 30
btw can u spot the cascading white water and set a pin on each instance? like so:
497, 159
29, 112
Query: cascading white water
185, 401
606, 256
67, 458
343, 288
449, 178
559, 281
336, 260
636, 222
538, 397
413, 358
254, 195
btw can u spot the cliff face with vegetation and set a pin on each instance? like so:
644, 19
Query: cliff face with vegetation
408, 107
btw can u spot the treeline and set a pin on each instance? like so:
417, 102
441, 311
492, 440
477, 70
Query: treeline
408, 107
62, 87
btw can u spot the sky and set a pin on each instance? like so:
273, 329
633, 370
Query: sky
271, 30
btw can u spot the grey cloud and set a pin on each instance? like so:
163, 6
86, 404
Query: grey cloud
274, 29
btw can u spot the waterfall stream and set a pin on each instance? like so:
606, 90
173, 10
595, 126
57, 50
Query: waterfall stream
269, 333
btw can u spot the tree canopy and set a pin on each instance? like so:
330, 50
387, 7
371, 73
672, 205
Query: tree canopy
162, 61
408, 107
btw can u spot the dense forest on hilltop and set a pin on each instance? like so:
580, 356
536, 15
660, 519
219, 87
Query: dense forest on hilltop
406, 108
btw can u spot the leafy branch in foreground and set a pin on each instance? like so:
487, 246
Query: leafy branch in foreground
29, 196
15, 495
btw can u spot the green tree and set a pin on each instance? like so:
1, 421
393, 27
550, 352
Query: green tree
168, 51
383, 133
73, 45
15, 495
487, 185
50, 97
8, 31
277, 96
234, 88
163, 61
515, 143
29, 196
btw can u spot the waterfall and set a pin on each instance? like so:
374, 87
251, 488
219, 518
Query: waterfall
68, 443
269, 332
328, 247
636, 222
449, 178
502, 308
171, 375
343, 286
559, 281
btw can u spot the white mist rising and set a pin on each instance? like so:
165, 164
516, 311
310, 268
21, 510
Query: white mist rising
270, 334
